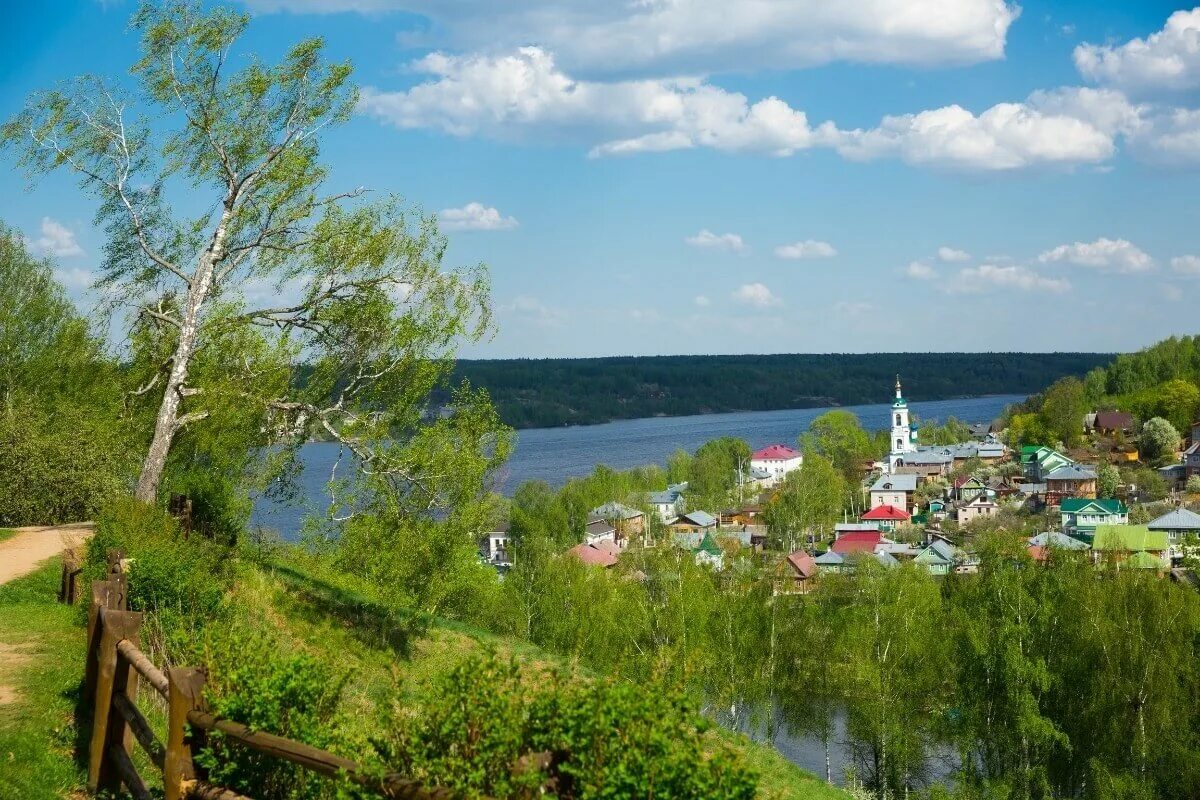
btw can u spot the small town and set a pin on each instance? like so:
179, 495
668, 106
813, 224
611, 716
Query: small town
923, 503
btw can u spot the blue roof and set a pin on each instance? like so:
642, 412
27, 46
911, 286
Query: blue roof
1057, 539
1180, 519
701, 518
829, 558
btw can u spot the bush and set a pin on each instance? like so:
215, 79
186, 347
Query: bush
1193, 485
608, 739
167, 573
220, 511
252, 680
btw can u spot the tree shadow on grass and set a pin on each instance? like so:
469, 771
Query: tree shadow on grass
369, 621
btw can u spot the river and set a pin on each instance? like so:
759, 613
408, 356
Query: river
556, 454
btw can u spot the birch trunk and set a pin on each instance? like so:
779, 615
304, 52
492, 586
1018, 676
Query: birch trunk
166, 425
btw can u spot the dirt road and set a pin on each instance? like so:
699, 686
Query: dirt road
23, 553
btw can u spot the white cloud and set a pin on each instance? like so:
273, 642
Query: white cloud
1007, 136
524, 94
920, 270
1171, 292
809, 248
1113, 255
702, 302
1167, 59
974, 280
56, 240
755, 294
75, 279
949, 254
474, 217
714, 241
533, 310
702, 35
1186, 265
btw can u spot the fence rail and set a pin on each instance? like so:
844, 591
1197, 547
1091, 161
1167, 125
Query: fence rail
114, 669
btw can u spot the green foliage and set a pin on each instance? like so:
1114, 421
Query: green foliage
840, 438
220, 508
1193, 485
1027, 428
715, 468
1063, 407
1108, 478
552, 392
809, 501
253, 680
608, 739
1158, 439
952, 432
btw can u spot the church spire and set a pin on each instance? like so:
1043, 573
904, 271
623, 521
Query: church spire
897, 387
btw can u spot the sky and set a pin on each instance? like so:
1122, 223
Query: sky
698, 176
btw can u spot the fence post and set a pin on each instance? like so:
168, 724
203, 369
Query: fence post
113, 676
100, 594
185, 693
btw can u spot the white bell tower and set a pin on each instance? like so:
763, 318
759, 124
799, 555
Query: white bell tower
904, 436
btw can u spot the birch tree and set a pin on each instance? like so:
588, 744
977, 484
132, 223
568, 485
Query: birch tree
211, 191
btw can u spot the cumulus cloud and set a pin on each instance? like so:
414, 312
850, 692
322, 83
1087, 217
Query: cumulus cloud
1171, 292
1007, 136
702, 35
474, 217
920, 270
533, 310
524, 94
809, 248
1112, 255
56, 240
1186, 265
755, 294
75, 279
1167, 59
950, 255
714, 241
986, 277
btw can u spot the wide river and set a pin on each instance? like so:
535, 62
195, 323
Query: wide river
556, 454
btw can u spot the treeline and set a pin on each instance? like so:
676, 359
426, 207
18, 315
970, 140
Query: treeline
550, 392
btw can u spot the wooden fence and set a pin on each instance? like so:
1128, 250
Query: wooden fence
116, 666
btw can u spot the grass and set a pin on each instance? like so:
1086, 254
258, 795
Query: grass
41, 667
41, 664
6, 533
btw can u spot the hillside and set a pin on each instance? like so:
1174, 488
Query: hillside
549, 392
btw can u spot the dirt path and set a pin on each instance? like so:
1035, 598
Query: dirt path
22, 554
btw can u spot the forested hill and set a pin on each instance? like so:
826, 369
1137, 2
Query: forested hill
549, 392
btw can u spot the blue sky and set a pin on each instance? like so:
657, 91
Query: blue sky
674, 176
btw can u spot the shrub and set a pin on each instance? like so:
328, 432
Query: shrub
167, 573
220, 510
1193, 485
608, 739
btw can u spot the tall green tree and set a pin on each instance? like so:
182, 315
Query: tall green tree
839, 436
810, 500
359, 288
716, 467
1158, 439
1063, 408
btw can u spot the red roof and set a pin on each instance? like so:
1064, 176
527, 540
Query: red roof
804, 564
857, 542
781, 451
596, 554
886, 512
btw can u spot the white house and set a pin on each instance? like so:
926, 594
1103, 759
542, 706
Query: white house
776, 461
894, 490
599, 530
668, 504
494, 548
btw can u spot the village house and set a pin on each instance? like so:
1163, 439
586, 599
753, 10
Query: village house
709, 553
694, 522
888, 518
1131, 545
939, 557
776, 461
1041, 546
668, 504
1072, 480
894, 490
858, 542
1191, 456
842, 528
796, 573
494, 548
1180, 525
1081, 516
599, 554
967, 488
629, 522
1113, 422
979, 506
599, 530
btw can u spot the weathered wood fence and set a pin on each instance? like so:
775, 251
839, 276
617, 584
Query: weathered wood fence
116, 666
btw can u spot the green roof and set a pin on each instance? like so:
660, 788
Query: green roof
1072, 505
708, 545
1128, 538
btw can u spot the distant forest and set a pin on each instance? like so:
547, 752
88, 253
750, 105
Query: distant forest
534, 393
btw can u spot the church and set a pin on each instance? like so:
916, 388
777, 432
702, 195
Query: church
904, 430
